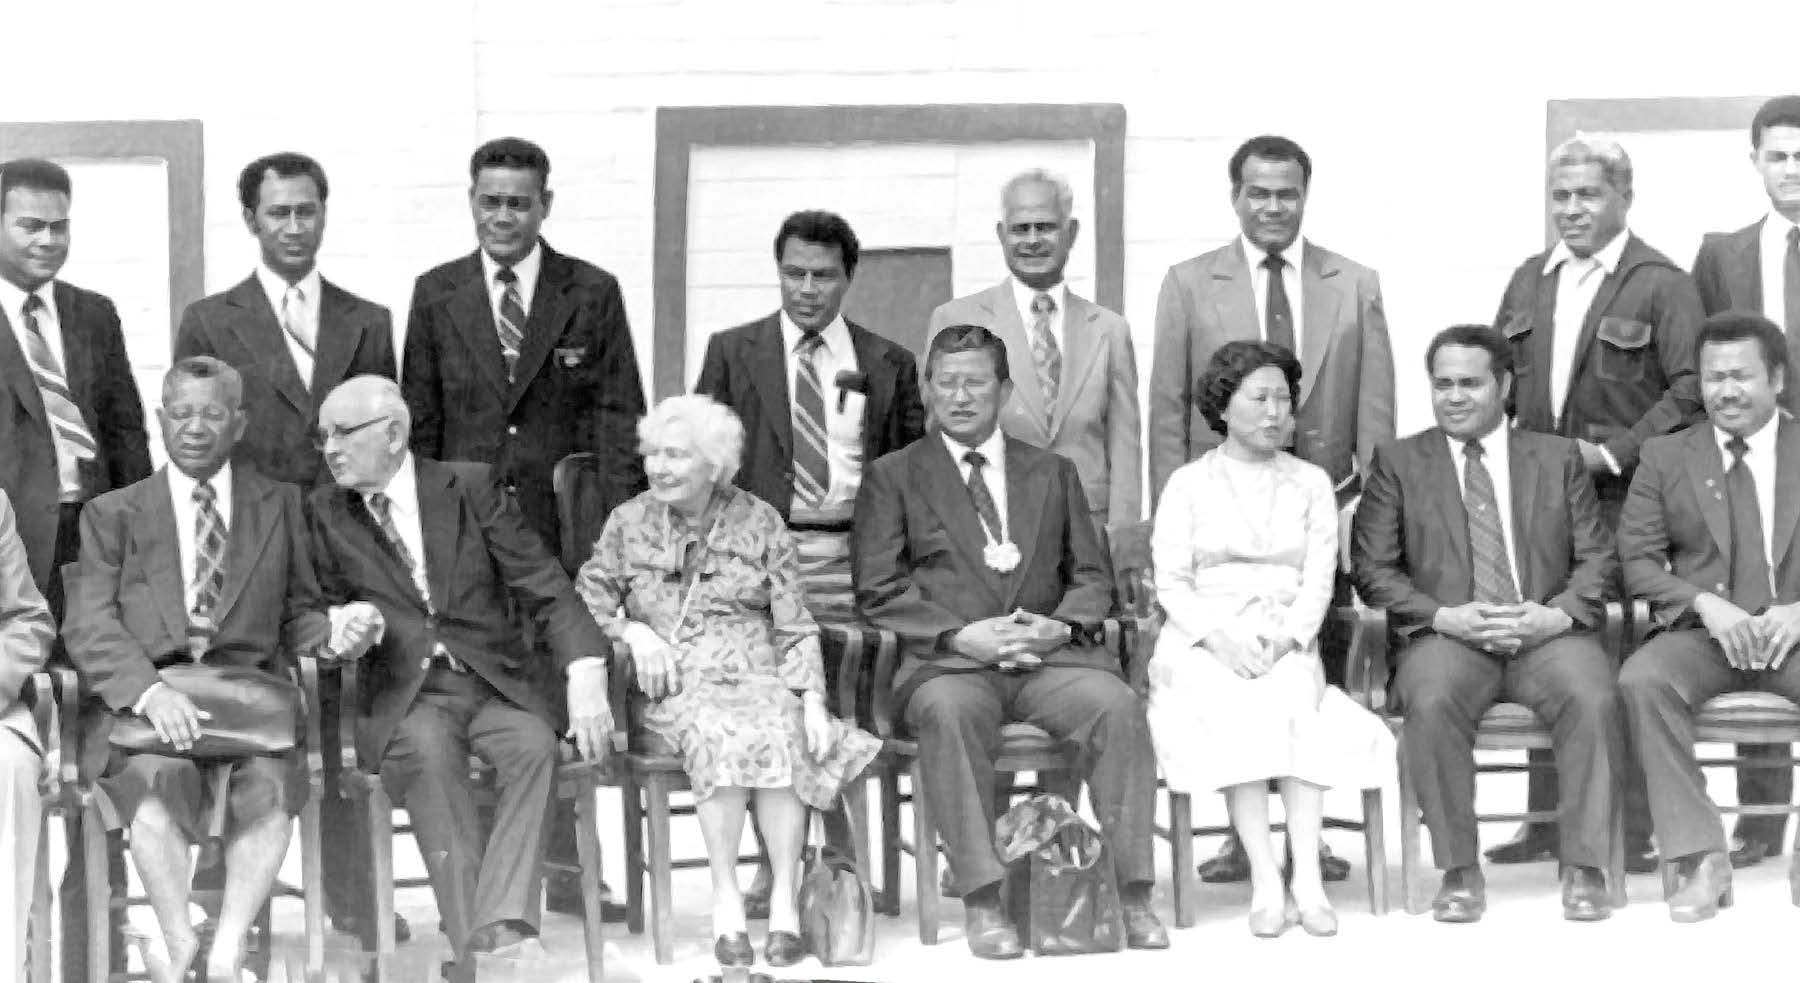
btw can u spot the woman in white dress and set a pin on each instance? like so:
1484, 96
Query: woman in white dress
1245, 550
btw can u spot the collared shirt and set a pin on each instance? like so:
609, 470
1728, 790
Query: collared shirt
527, 269
308, 321
1575, 291
1290, 281
1774, 245
12, 303
187, 512
1760, 459
993, 473
843, 427
1496, 456
1059, 294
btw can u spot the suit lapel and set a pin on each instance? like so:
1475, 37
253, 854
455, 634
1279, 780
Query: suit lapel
1003, 314
473, 314
1542, 346
258, 328
1526, 475
551, 304
1081, 344
339, 337
440, 522
1742, 267
1706, 473
156, 537
766, 356
1321, 301
1454, 517
1787, 476
252, 521
875, 369
1025, 492
357, 513
941, 481
1235, 298
77, 366
17, 372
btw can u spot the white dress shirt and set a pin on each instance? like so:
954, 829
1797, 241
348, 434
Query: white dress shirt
402, 493
1774, 245
1290, 281
307, 322
843, 427
1496, 456
1760, 459
12, 302
187, 511
993, 473
1059, 294
1575, 291
527, 269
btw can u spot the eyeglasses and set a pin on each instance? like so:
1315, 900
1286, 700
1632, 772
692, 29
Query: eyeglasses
515, 203
322, 436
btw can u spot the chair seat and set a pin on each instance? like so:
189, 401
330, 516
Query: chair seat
1504, 720
1022, 739
1748, 709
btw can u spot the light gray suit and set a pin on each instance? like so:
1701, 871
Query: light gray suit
25, 634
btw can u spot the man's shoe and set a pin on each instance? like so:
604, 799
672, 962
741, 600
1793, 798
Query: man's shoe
990, 934
1703, 890
497, 937
1462, 898
1584, 897
356, 926
562, 894
1748, 852
1532, 843
1229, 865
1642, 858
1143, 930
1331, 866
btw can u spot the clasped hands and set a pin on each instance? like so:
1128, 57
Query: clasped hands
1015, 642
1502, 629
1248, 657
1750, 642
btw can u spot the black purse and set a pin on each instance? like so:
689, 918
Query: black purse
253, 713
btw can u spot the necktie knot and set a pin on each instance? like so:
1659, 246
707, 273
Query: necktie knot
33, 304
1273, 262
1473, 449
204, 494
1738, 449
378, 504
1042, 304
506, 275
809, 342
976, 459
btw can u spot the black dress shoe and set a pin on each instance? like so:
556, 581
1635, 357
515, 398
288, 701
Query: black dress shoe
1584, 897
990, 934
1143, 930
783, 948
497, 936
357, 926
1462, 898
1532, 843
1229, 865
1703, 889
1749, 852
562, 894
733, 951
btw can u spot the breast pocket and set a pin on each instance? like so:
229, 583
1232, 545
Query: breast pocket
1517, 330
1623, 347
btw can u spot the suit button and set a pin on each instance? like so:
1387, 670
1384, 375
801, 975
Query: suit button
425, 663
512, 431
1719, 587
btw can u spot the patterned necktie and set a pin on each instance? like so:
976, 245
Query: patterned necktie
1487, 546
979, 494
1279, 320
67, 428
1750, 587
1044, 351
511, 324
812, 470
1790, 281
382, 509
293, 320
209, 552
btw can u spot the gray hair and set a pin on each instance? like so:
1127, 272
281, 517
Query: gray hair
717, 432
1615, 163
1065, 195
380, 393
205, 367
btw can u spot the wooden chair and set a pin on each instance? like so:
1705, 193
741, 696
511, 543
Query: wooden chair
575, 779
1504, 727
1749, 717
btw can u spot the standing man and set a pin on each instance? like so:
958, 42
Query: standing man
518, 356
1081, 398
25, 634
1271, 284
1757, 268
292, 335
1601, 328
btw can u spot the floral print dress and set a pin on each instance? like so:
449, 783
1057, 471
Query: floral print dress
723, 591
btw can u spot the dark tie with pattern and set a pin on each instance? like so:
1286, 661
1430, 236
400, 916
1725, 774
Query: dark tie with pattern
511, 324
1279, 322
382, 509
1044, 351
69, 430
979, 494
1750, 588
1790, 285
812, 469
1487, 545
209, 553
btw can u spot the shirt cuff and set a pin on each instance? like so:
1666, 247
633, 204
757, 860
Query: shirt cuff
1611, 461
586, 668
138, 707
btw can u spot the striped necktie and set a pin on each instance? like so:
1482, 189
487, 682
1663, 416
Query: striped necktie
1487, 544
812, 468
293, 318
982, 498
511, 324
382, 509
67, 428
210, 537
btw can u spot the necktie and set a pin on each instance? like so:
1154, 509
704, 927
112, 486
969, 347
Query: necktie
1279, 321
382, 509
511, 324
1044, 351
1487, 546
67, 428
293, 319
983, 499
812, 470
209, 552
1750, 587
1790, 280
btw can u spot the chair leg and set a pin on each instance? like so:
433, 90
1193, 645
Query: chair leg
1615, 860
925, 858
856, 810
587, 851
1409, 844
631, 795
98, 887
1668, 879
890, 839
1375, 849
379, 814
1181, 855
40, 952
312, 886
662, 927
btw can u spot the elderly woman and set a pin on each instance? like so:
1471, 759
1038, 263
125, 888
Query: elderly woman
701, 579
1245, 548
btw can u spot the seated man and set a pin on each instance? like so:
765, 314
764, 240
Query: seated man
201, 561
1707, 539
1001, 631
25, 633
1485, 545
443, 555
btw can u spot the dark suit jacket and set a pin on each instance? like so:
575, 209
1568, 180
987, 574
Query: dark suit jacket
1675, 530
127, 616
917, 556
1728, 275
576, 387
99, 375
482, 563
240, 328
746, 369
1634, 375
1410, 550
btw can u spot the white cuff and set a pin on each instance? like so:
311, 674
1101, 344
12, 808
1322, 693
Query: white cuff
586, 668
642, 637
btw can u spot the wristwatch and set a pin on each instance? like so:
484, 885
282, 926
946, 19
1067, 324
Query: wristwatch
1083, 633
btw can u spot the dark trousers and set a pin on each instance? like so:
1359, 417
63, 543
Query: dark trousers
957, 719
1444, 687
426, 769
1665, 681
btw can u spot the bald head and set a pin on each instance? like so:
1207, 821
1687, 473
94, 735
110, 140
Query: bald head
363, 430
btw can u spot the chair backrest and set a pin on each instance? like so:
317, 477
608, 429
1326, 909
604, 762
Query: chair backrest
582, 505
1132, 572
